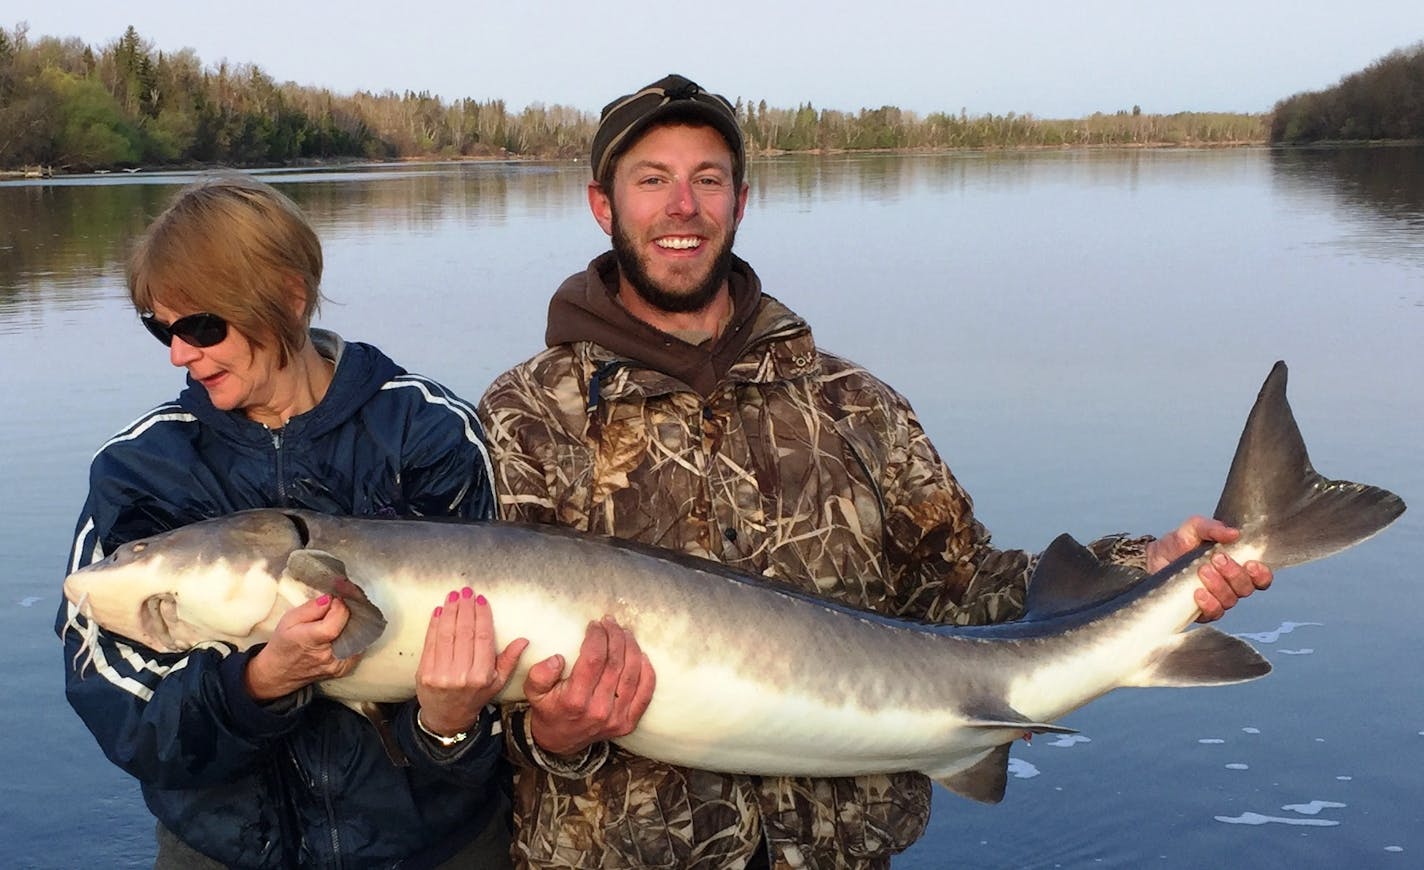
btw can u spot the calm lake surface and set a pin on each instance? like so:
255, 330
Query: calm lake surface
1082, 334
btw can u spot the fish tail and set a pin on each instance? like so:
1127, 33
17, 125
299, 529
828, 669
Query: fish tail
1278, 499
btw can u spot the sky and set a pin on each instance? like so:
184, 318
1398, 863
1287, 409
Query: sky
1068, 58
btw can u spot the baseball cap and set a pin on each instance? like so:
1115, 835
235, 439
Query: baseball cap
624, 119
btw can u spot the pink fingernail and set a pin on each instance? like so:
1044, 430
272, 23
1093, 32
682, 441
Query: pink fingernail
452, 598
438, 611
466, 592
480, 599
324, 600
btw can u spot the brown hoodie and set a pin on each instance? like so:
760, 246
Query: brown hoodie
586, 308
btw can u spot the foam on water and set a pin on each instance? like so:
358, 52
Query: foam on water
1275, 635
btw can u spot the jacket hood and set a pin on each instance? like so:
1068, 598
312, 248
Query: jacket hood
361, 370
586, 308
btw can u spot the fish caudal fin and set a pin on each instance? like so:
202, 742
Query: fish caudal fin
1281, 503
325, 573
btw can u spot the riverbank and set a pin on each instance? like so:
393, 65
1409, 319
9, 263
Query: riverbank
338, 162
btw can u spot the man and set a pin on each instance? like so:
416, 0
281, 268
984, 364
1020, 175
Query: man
680, 406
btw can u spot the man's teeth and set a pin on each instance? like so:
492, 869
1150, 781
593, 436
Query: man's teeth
680, 243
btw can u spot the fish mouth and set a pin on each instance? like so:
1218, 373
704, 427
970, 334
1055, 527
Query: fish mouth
158, 612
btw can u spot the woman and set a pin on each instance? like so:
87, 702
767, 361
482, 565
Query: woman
239, 760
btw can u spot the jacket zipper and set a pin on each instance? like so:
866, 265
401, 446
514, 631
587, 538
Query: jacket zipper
281, 478
330, 810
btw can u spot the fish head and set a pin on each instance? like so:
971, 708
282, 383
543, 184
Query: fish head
213, 580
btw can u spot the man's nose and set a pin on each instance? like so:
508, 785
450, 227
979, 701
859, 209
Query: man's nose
682, 202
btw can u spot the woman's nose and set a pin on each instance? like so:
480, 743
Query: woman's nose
181, 353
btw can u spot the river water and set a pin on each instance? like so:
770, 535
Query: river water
1082, 334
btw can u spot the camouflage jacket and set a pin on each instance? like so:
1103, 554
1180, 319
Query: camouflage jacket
799, 466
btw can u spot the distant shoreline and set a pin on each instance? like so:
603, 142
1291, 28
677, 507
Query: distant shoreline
333, 162
336, 162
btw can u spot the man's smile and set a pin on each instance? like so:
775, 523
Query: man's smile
679, 243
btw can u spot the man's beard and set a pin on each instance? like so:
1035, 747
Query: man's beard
636, 273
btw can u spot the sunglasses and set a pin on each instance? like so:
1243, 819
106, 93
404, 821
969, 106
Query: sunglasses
196, 330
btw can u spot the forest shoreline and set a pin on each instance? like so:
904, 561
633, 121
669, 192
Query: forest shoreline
43, 172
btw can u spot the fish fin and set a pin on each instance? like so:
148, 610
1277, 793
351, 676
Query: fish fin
983, 781
318, 569
1201, 657
376, 714
325, 573
1273, 493
1069, 577
1007, 718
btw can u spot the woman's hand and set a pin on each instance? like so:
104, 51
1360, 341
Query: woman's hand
460, 670
299, 652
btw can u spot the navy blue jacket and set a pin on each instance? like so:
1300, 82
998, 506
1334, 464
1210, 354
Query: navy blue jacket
304, 781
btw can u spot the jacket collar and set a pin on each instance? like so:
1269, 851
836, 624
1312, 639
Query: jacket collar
361, 370
779, 348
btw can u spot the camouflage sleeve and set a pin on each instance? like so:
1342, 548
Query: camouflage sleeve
522, 750
946, 568
524, 431
512, 418
1123, 549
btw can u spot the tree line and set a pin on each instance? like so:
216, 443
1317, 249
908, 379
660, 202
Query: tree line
1384, 101
67, 106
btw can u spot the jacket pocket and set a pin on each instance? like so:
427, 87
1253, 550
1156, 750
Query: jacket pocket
632, 813
881, 815
846, 821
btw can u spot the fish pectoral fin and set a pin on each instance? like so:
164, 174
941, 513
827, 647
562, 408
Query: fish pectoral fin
983, 781
318, 569
1201, 657
327, 574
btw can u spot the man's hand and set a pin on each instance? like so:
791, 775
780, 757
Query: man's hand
1224, 582
605, 694
460, 670
299, 651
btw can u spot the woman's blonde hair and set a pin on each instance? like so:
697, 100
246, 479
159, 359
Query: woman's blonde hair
233, 246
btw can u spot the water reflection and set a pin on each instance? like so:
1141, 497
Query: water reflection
63, 242
421, 199
60, 239
1381, 189
65, 233
807, 180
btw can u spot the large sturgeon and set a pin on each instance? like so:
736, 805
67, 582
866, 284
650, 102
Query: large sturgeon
752, 678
